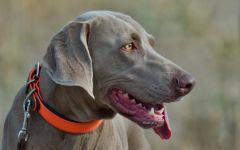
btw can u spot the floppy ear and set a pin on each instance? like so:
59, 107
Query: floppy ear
68, 60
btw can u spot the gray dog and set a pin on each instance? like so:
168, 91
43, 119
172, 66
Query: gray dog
100, 64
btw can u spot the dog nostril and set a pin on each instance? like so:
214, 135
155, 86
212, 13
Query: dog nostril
185, 83
189, 86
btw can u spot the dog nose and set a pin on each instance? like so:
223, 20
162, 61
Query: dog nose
184, 83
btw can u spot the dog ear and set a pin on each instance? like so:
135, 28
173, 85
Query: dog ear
68, 60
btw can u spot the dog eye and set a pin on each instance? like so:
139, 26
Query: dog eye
129, 47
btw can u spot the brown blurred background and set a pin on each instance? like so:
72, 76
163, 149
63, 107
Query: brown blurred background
202, 36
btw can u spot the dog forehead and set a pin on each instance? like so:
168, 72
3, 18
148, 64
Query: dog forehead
109, 19
104, 15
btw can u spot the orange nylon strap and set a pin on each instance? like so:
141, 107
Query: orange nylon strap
52, 118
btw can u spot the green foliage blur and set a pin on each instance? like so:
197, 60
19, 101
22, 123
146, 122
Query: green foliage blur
202, 36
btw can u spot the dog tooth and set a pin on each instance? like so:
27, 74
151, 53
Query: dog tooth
140, 104
125, 95
148, 122
133, 100
161, 116
158, 116
151, 112
161, 110
120, 91
151, 123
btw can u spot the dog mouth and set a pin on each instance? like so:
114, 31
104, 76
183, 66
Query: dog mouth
146, 115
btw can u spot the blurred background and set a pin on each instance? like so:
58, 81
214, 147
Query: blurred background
202, 36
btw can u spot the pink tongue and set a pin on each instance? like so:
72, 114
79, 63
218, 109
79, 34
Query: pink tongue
165, 130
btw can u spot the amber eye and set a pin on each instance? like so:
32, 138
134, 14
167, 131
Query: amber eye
128, 47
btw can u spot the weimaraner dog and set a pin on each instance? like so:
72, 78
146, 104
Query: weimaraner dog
101, 66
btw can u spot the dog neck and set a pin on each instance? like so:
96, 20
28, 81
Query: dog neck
72, 102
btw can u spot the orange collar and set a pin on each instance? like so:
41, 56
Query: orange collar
55, 119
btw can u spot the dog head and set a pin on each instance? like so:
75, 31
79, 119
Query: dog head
111, 57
